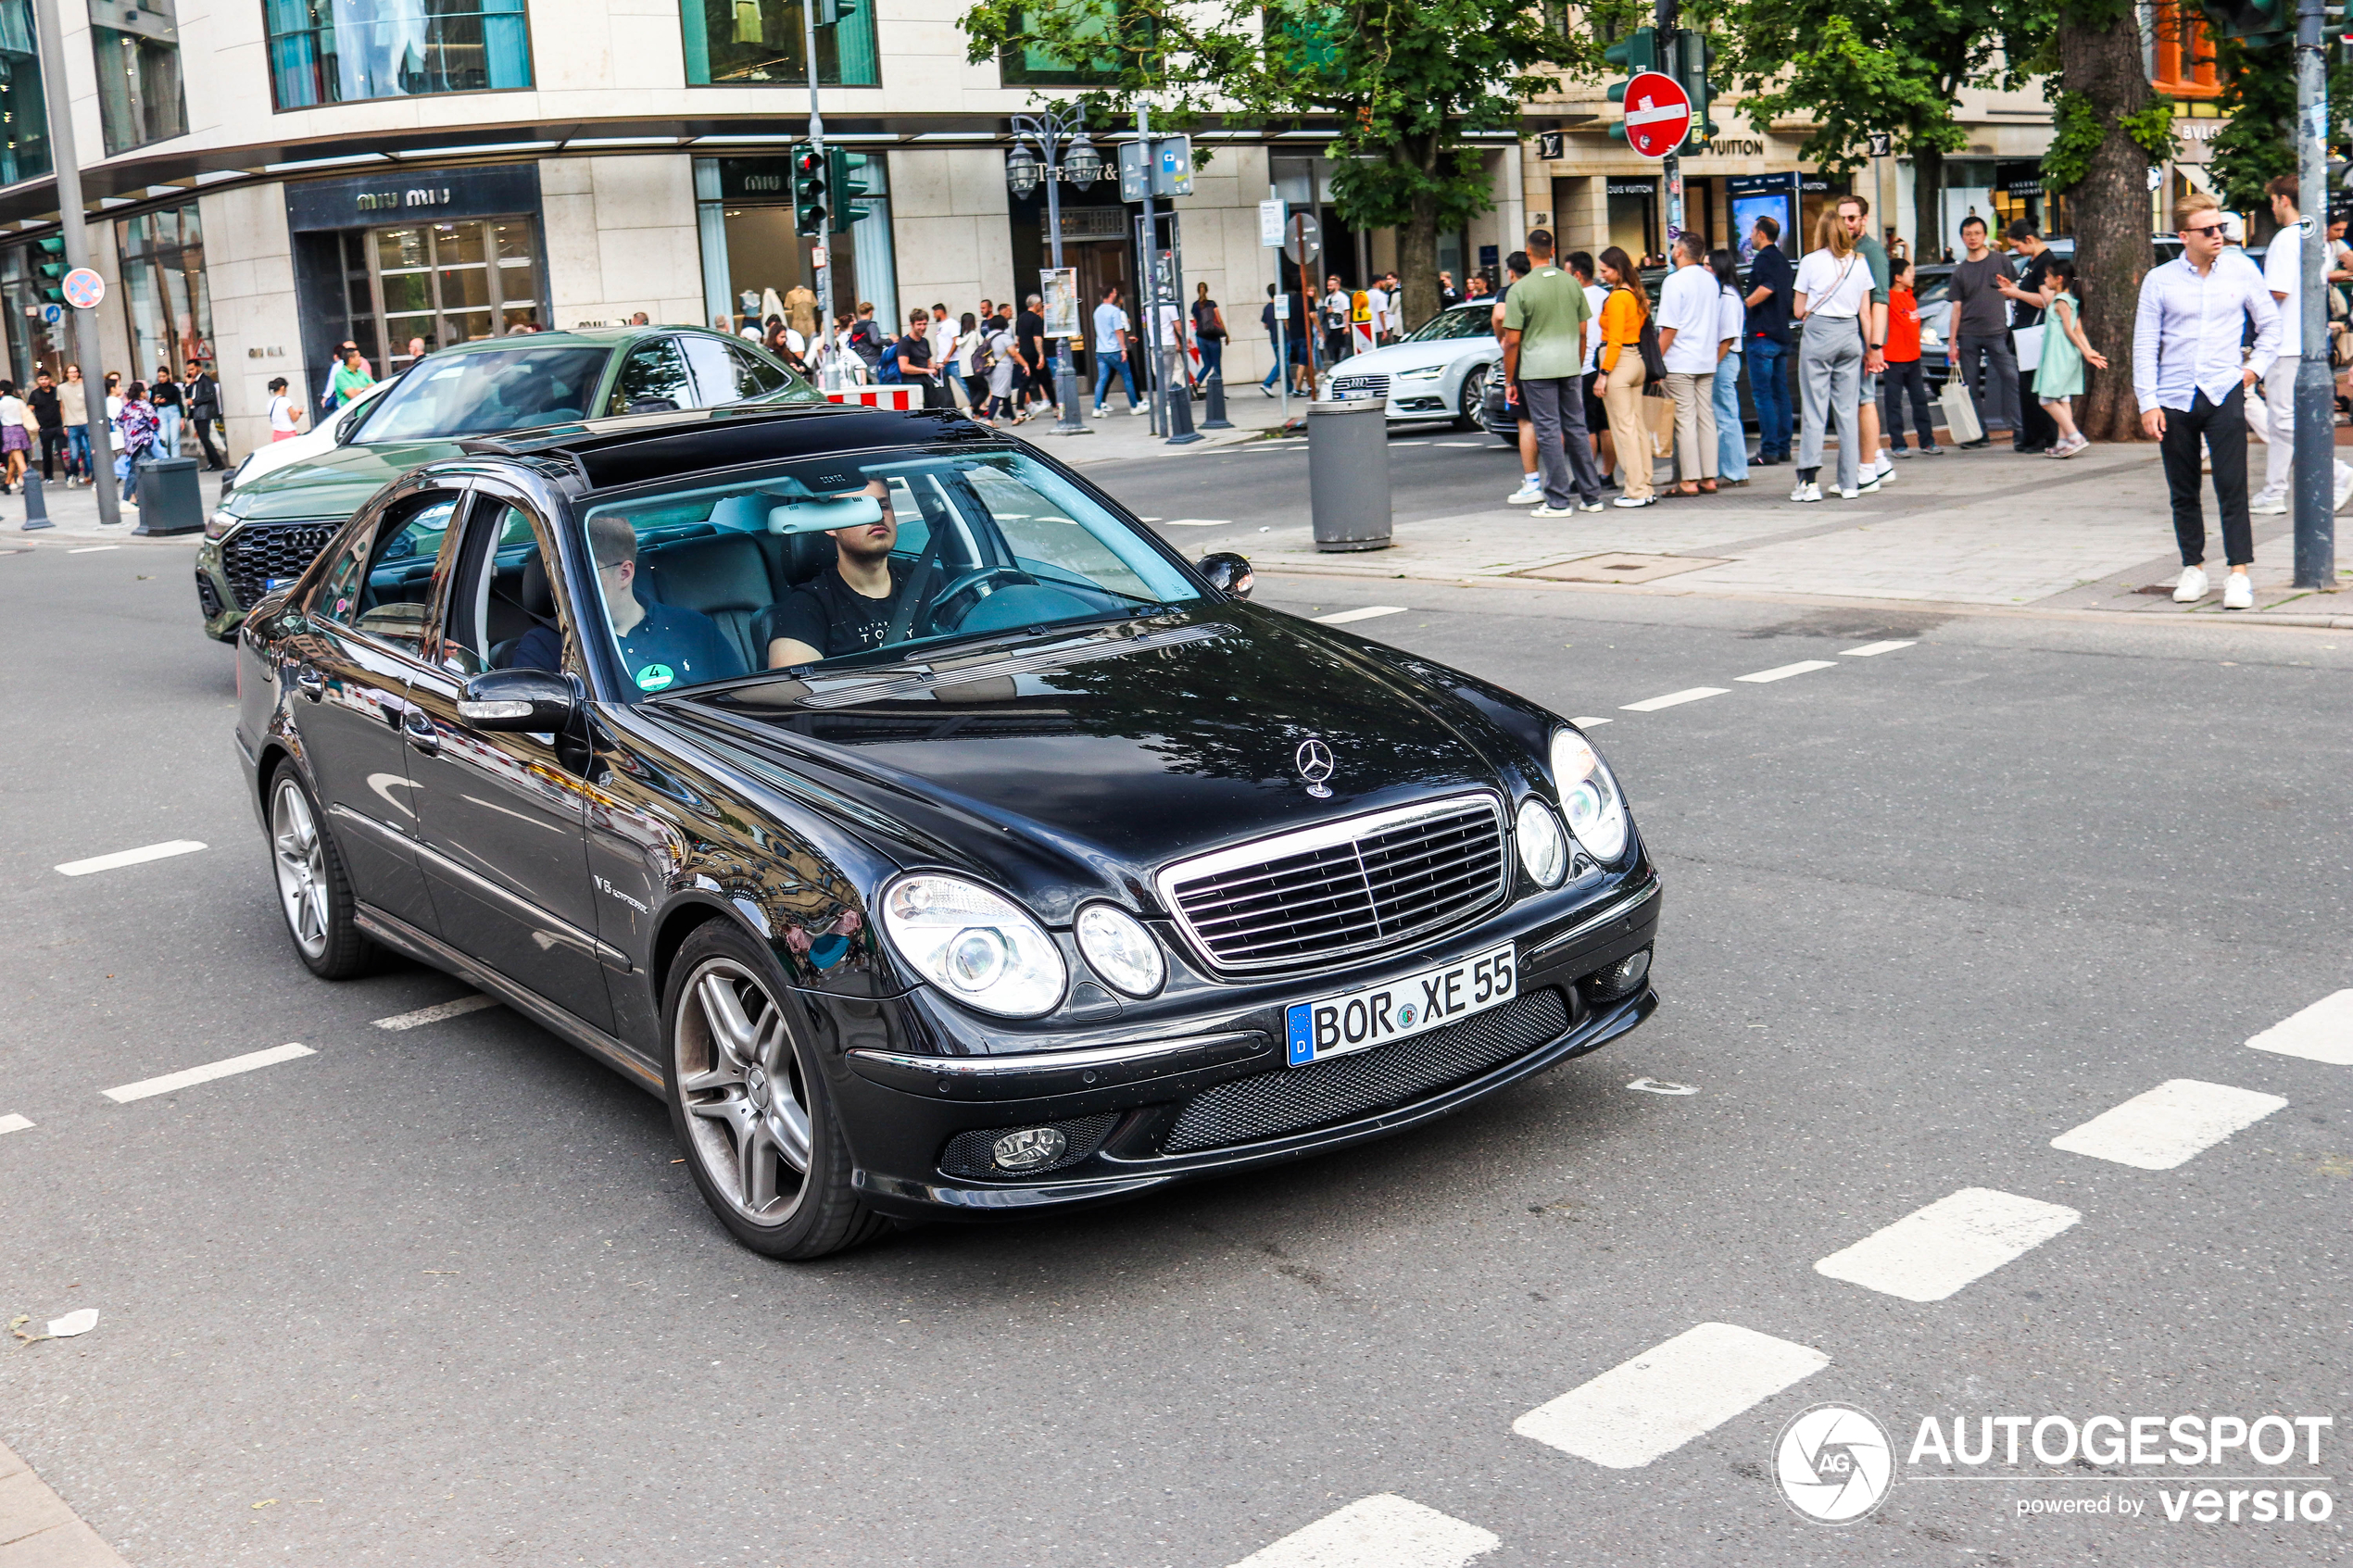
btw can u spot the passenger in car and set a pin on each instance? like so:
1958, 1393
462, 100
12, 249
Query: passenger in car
661, 646
847, 608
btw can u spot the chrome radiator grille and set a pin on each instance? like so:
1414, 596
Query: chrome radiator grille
1364, 387
1342, 887
258, 552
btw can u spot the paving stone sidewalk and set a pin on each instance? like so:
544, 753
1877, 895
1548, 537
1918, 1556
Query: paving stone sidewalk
38, 1530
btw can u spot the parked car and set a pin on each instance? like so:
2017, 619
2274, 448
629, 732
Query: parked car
1066, 873
269, 528
1437, 371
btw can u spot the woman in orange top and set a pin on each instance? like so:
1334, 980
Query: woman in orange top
1621, 382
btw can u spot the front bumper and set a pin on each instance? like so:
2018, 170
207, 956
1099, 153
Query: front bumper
1135, 1109
216, 597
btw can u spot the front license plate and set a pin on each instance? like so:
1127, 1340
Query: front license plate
1398, 1010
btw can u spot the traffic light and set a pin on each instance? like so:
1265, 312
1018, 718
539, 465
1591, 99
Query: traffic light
1635, 53
809, 204
1692, 55
2257, 21
846, 172
832, 12
52, 267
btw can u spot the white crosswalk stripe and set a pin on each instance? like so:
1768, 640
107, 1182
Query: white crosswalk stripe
2323, 1032
1664, 1398
1872, 650
435, 1013
1384, 1531
1589, 720
1366, 612
1931, 1252
121, 858
1672, 699
1783, 672
12, 1122
1193, 522
2164, 1127
148, 1088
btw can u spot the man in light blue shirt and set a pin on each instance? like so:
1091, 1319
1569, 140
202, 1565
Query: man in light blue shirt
2191, 381
1111, 327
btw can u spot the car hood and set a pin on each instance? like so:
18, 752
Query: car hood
336, 483
1082, 780
1398, 358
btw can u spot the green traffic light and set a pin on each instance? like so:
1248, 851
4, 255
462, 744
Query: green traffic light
2254, 20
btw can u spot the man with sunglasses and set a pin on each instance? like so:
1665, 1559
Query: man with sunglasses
2192, 384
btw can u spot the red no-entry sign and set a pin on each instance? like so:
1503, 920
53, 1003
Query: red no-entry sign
1658, 114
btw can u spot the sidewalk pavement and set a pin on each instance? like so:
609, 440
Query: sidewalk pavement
37, 1528
2092, 533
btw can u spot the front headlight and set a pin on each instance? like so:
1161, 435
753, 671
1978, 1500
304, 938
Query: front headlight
1427, 372
218, 526
1121, 950
1542, 848
977, 945
1590, 799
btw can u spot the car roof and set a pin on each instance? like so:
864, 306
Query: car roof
641, 448
587, 337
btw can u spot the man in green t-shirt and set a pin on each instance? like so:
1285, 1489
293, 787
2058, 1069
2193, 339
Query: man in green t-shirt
350, 379
1870, 462
1546, 317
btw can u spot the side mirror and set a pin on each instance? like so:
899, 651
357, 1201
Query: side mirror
536, 700
1228, 572
347, 427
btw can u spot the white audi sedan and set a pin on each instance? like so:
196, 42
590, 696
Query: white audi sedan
1437, 371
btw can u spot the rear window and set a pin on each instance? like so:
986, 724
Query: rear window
487, 391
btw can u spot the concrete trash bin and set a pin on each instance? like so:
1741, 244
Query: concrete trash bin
1348, 473
170, 500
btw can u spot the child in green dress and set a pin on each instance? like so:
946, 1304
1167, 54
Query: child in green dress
2065, 353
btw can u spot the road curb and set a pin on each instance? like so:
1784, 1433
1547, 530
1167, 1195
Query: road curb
39, 1530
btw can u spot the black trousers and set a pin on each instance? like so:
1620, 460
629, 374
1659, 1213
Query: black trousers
204, 439
2223, 427
2036, 429
1898, 380
53, 451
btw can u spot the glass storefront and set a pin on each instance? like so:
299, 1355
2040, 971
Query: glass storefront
29, 291
753, 258
136, 49
24, 114
164, 298
343, 51
440, 284
749, 42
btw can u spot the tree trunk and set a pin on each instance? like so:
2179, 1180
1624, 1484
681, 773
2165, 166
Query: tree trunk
2111, 207
1417, 262
1928, 191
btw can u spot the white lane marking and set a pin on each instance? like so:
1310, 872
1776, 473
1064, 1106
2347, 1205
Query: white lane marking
12, 1122
1670, 1394
2323, 1032
1783, 672
1365, 612
207, 1072
1385, 1530
435, 1013
1589, 720
129, 856
1147, 520
1197, 523
1660, 1086
1672, 699
92, 549
1872, 650
1468, 445
1409, 443
2162, 1128
1931, 1252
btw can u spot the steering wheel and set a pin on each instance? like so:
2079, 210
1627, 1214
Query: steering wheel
983, 578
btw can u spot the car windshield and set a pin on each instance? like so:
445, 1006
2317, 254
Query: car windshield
825, 563
1464, 321
486, 392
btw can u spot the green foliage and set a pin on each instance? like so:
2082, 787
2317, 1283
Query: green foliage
2078, 127
2259, 94
1856, 67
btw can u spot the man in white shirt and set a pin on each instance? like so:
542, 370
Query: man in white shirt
2283, 266
2192, 385
1688, 338
1338, 309
1111, 328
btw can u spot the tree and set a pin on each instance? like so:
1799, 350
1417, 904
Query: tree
1897, 67
2259, 94
2108, 126
1406, 82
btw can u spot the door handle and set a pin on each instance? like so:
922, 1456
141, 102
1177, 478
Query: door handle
418, 731
310, 683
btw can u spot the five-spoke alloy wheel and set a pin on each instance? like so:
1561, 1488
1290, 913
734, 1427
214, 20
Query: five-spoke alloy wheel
313, 892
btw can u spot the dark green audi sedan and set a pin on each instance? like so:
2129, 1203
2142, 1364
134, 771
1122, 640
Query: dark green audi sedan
266, 533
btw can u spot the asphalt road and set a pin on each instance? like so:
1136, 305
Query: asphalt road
440, 1295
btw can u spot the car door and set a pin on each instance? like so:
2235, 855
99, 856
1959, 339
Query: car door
652, 379
360, 644
501, 815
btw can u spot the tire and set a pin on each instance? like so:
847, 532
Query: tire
314, 891
1472, 399
735, 1069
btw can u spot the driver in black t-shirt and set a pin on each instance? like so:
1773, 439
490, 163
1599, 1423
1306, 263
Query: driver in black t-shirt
847, 608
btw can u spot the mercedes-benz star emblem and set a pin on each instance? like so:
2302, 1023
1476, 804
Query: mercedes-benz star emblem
1315, 761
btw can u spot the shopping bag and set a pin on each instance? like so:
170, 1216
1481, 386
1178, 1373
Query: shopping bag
1960, 412
2028, 345
1659, 412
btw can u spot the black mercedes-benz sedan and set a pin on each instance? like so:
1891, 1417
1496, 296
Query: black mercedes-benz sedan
934, 839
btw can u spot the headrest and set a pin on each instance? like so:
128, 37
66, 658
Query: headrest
708, 574
538, 599
805, 555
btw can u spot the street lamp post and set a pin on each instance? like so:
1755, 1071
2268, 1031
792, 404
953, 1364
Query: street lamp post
1059, 133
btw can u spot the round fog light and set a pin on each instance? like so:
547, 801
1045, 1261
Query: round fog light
1623, 978
1029, 1148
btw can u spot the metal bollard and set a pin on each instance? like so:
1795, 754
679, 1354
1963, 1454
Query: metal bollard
36, 510
1348, 473
1218, 420
1176, 398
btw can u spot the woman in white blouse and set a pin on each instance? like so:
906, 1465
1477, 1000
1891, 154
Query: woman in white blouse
1832, 285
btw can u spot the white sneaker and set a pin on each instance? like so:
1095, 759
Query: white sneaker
1848, 492
2192, 587
2269, 504
2238, 591
1635, 501
1553, 511
1886, 471
1100, 411
1810, 490
1589, 505
1869, 483
1526, 496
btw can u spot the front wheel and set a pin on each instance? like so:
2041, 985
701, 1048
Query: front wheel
762, 1137
1470, 405
314, 891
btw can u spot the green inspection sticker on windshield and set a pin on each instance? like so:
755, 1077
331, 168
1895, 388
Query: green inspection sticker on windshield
653, 677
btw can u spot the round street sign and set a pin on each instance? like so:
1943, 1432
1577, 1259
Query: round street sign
1658, 114
83, 289
1302, 237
